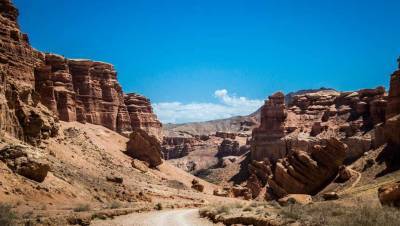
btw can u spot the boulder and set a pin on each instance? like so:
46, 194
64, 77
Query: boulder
145, 147
344, 174
197, 186
225, 192
295, 199
389, 195
25, 161
330, 196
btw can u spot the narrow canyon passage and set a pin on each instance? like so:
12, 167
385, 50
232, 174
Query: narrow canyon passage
183, 217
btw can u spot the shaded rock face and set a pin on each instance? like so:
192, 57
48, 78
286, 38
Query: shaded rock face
145, 147
141, 114
267, 139
307, 172
22, 115
23, 161
228, 147
177, 147
392, 126
389, 194
225, 135
393, 107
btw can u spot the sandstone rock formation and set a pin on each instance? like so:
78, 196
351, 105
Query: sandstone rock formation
197, 186
177, 147
145, 147
84, 91
313, 117
22, 115
295, 199
228, 147
267, 139
225, 135
390, 194
141, 114
72, 89
301, 172
25, 161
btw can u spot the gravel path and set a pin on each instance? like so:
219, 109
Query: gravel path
184, 217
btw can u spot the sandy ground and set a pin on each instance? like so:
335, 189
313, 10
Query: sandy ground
183, 217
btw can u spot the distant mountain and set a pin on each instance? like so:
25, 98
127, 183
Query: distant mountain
237, 124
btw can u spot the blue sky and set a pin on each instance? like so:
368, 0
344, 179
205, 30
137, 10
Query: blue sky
195, 59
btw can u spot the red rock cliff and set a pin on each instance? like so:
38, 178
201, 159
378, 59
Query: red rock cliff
142, 116
22, 115
72, 90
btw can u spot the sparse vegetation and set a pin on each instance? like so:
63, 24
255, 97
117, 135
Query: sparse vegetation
115, 205
7, 216
159, 206
82, 208
335, 214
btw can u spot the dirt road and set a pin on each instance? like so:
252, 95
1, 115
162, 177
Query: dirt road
184, 217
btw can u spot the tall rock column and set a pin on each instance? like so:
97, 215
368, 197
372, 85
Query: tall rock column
268, 142
392, 125
142, 116
54, 84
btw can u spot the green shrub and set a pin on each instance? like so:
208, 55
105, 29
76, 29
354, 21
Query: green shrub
7, 216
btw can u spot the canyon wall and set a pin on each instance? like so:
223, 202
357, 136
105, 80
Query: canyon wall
37, 89
22, 115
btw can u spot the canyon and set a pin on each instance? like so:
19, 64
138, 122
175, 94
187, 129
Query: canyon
75, 149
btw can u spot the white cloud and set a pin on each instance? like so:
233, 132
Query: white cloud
230, 105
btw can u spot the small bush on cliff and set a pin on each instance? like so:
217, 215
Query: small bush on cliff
159, 206
7, 216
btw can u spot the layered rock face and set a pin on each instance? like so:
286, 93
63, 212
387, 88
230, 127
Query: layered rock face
313, 117
307, 173
141, 114
392, 126
22, 115
99, 96
84, 91
303, 144
267, 139
394, 94
177, 147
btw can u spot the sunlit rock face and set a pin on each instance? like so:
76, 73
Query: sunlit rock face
21, 113
142, 116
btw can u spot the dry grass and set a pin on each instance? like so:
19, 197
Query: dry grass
334, 214
7, 216
82, 208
